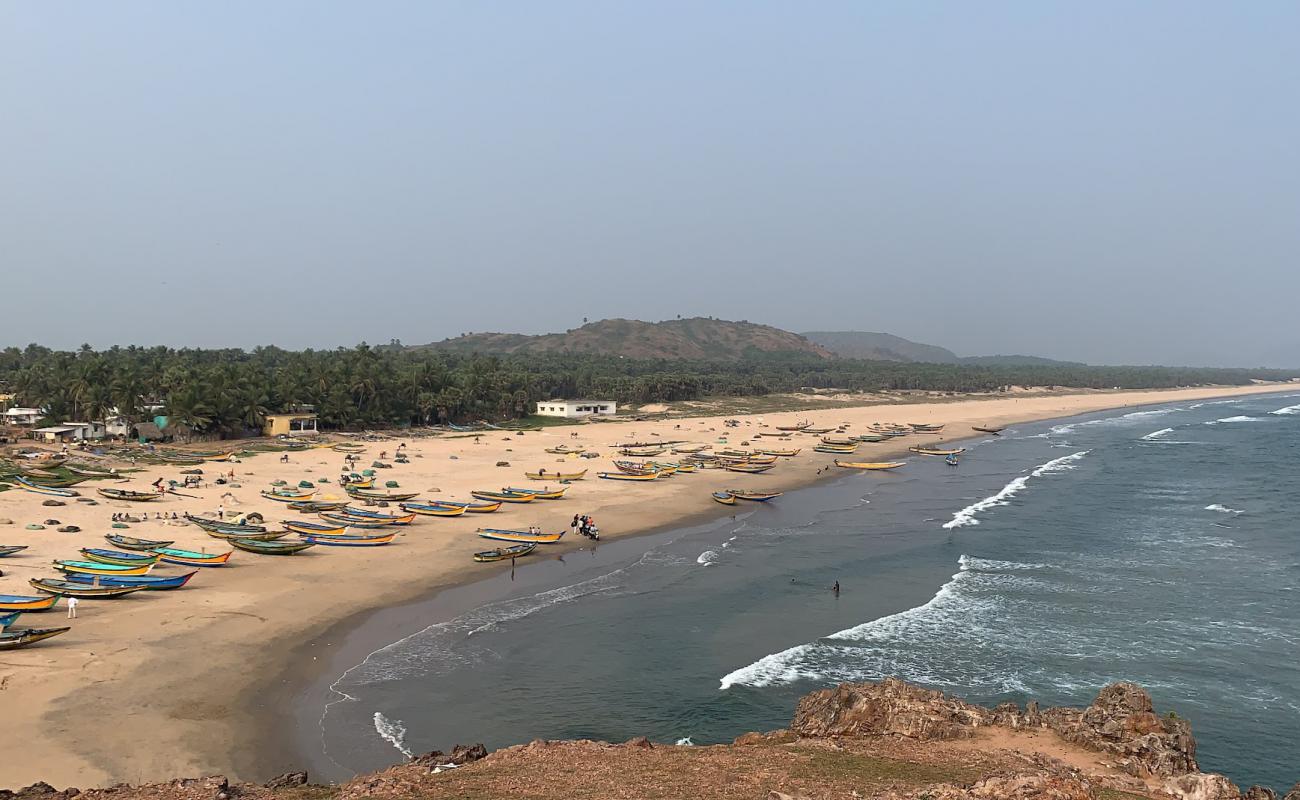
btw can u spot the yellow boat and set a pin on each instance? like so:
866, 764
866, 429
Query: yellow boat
934, 451
543, 475
781, 453
869, 464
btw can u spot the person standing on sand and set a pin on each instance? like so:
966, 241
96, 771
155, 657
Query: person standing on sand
72, 608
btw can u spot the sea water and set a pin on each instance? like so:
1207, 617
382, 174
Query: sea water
1157, 546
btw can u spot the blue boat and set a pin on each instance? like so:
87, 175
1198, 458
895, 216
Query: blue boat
10, 549
8, 619
119, 556
153, 582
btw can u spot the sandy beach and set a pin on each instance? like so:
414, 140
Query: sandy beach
158, 684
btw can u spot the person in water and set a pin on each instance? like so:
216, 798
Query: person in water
836, 589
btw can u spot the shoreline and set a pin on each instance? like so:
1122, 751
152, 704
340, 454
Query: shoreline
204, 693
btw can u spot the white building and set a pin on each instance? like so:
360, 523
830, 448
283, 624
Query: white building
70, 432
576, 408
22, 416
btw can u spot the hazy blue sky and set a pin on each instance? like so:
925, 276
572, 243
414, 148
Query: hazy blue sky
1105, 181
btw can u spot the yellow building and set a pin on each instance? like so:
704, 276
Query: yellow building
297, 424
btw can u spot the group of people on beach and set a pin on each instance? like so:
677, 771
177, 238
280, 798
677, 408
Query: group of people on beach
584, 525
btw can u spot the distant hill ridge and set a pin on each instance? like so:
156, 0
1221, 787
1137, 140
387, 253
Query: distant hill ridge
887, 347
693, 338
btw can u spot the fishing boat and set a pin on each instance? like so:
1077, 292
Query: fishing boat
541, 494
872, 437
348, 521
118, 558
843, 441
271, 548
627, 476
752, 469
472, 508
129, 494
377, 494
638, 467
543, 475
155, 583
726, 498
988, 429
690, 449
756, 496
367, 515
317, 506
97, 568
219, 457
16, 639
53, 491
359, 483
777, 434
10, 549
132, 543
825, 448
921, 426
502, 553
349, 447
221, 525
520, 536
869, 464
564, 450
781, 453
503, 497
287, 495
433, 509
359, 540
19, 602
9, 618
817, 431
260, 536
637, 452
794, 428
81, 591
950, 460
90, 473
312, 528
935, 451
189, 558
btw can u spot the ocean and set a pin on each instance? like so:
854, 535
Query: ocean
1157, 546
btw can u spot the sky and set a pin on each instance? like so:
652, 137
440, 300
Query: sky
1110, 182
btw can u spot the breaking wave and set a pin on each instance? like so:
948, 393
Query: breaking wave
1288, 411
707, 557
1151, 437
1222, 509
969, 515
1234, 419
393, 732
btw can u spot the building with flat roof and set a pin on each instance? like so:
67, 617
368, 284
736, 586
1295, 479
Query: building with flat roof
21, 416
572, 409
295, 424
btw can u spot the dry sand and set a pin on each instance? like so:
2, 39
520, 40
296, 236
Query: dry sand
157, 684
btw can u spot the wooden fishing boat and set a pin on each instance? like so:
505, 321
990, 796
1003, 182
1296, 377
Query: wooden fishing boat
348, 447
835, 450
503, 553
358, 540
129, 494
287, 495
259, 536
271, 548
433, 509
627, 476
16, 639
687, 468
755, 496
690, 449
555, 476
10, 549
563, 450
777, 434
541, 494
317, 506
81, 591
40, 474
132, 543
360, 483
367, 516
155, 583
869, 464
872, 437
220, 525
19, 602
53, 491
637, 467
189, 558
376, 494
312, 528
9, 618
118, 558
761, 458
817, 431
636, 452
988, 429
472, 508
90, 473
520, 536
219, 457
921, 426
781, 453
503, 497
752, 469
935, 451
726, 498
97, 568
794, 428
348, 521
843, 441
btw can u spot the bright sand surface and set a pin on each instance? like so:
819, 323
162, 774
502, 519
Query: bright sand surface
158, 684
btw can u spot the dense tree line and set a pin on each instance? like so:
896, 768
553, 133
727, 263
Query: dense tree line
229, 391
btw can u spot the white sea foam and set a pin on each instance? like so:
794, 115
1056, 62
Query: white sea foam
1287, 412
1151, 437
1132, 416
1222, 509
969, 515
1217, 403
707, 557
685, 741
393, 732
1234, 419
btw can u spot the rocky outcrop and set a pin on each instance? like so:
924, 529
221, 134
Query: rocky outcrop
1122, 721
890, 707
